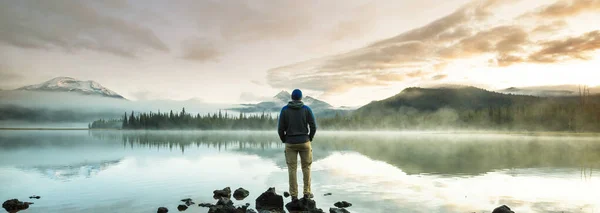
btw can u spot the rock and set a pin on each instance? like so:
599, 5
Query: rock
327, 194
342, 204
224, 202
35, 197
337, 210
250, 211
182, 207
301, 205
162, 210
270, 201
502, 209
226, 192
286, 194
240, 194
188, 201
15, 205
207, 205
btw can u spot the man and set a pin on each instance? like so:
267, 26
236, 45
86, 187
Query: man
295, 121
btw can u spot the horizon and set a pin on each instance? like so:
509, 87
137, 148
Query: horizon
344, 53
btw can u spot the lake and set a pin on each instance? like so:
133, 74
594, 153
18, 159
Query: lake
139, 171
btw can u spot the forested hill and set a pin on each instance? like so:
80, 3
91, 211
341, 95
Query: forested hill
473, 108
460, 98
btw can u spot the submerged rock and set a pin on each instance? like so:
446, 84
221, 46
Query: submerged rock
207, 205
226, 192
188, 201
240, 194
224, 202
327, 194
270, 201
342, 204
502, 209
162, 210
182, 207
35, 197
338, 210
15, 205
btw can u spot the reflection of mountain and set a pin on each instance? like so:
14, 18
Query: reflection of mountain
70, 172
422, 153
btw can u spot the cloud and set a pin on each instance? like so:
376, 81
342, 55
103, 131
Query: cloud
439, 77
198, 49
391, 60
568, 49
73, 26
420, 54
565, 8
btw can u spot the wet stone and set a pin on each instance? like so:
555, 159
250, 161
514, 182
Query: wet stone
270, 201
162, 210
240, 194
342, 204
15, 205
226, 193
182, 207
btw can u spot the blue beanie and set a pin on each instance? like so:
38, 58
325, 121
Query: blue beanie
296, 95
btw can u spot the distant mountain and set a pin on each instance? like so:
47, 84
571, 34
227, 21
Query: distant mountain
549, 91
460, 98
67, 84
280, 100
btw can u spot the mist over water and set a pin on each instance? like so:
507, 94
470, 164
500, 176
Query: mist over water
138, 171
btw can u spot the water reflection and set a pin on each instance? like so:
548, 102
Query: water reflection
136, 171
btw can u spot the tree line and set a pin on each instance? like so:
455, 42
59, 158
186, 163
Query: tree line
185, 120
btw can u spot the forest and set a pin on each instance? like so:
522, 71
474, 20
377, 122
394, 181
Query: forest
431, 109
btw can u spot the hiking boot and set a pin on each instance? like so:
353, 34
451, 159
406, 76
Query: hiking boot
308, 196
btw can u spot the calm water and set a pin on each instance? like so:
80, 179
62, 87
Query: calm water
114, 171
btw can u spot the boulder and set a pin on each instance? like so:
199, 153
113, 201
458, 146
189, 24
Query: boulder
301, 205
15, 205
338, 210
226, 192
240, 194
182, 207
224, 202
269, 201
502, 209
162, 210
286, 194
342, 204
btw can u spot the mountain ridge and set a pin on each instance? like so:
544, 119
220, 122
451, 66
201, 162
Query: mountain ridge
68, 84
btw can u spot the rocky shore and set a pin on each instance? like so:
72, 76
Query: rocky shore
267, 202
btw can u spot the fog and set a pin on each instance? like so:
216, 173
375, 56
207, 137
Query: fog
40, 109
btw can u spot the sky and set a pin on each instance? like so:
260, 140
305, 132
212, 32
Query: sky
345, 52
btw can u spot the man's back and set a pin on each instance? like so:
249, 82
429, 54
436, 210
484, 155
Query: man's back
294, 122
296, 129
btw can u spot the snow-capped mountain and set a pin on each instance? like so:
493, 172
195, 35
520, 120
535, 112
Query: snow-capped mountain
67, 84
280, 100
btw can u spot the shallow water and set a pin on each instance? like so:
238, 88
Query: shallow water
138, 171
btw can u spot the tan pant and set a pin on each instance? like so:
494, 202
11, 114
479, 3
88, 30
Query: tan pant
291, 157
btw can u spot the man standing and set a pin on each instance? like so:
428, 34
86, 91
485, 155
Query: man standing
295, 121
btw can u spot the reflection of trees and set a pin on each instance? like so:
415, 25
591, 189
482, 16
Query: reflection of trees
442, 154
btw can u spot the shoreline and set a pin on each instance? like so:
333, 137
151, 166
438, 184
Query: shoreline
409, 132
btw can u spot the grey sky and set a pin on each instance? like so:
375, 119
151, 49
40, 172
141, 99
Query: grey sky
231, 51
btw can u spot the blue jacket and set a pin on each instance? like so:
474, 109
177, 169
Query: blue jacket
295, 121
